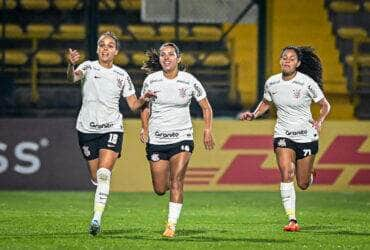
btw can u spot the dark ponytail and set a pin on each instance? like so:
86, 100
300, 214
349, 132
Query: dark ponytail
153, 64
310, 63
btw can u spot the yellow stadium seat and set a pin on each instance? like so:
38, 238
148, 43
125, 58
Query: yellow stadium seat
215, 59
206, 33
110, 27
15, 57
142, 32
39, 30
352, 33
167, 32
35, 4
188, 59
367, 6
107, 4
48, 57
138, 58
344, 7
10, 4
362, 59
131, 4
71, 32
121, 59
68, 4
12, 31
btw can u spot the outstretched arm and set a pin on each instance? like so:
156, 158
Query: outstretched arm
262, 107
134, 103
208, 117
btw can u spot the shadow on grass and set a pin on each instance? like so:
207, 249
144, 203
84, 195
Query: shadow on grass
331, 230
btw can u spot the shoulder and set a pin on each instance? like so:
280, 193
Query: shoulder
119, 71
304, 79
274, 79
154, 77
86, 65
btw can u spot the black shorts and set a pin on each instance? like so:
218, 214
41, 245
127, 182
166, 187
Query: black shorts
90, 144
301, 149
165, 152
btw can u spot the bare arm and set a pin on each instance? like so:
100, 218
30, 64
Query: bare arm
72, 74
208, 117
262, 107
134, 103
144, 133
324, 111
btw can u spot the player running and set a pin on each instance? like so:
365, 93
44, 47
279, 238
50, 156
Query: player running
99, 123
296, 133
166, 125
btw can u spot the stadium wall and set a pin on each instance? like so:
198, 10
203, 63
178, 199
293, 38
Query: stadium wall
43, 154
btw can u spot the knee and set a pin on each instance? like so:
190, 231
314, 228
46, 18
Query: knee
303, 185
160, 192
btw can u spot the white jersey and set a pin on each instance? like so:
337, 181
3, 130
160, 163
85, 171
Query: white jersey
101, 91
170, 120
293, 100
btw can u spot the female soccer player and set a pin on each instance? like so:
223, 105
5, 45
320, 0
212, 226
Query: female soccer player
99, 123
167, 127
296, 133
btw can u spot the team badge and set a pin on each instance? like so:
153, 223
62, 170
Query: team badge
182, 92
154, 157
86, 151
281, 143
296, 93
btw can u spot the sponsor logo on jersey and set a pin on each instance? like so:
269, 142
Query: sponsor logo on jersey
166, 135
154, 157
281, 143
182, 92
296, 93
299, 132
299, 83
156, 80
99, 126
272, 83
184, 82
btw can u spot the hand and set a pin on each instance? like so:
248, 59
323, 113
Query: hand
316, 124
208, 139
149, 95
249, 116
73, 56
144, 135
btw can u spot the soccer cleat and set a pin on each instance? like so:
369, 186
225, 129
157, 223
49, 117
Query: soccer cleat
292, 226
169, 232
94, 228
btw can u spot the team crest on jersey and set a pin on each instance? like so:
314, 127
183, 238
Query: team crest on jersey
281, 143
182, 92
86, 151
296, 93
119, 82
154, 157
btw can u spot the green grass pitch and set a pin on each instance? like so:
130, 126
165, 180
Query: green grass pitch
209, 220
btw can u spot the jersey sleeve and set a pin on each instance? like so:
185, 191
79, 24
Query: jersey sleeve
314, 91
266, 93
199, 92
84, 68
128, 86
145, 86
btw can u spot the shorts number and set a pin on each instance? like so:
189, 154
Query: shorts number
306, 152
113, 138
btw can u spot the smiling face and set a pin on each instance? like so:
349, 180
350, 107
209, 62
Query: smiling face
107, 49
289, 62
169, 59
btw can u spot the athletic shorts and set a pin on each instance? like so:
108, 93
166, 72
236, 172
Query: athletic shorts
301, 149
90, 144
165, 152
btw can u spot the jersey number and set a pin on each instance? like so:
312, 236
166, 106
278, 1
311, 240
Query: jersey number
113, 138
306, 152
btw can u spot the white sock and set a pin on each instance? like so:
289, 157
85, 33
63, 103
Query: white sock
102, 192
287, 192
174, 210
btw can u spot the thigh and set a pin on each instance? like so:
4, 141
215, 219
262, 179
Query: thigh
160, 172
107, 158
304, 168
178, 165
